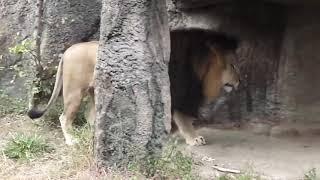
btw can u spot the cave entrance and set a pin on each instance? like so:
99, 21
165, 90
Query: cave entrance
186, 92
272, 123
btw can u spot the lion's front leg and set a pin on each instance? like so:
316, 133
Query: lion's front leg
184, 123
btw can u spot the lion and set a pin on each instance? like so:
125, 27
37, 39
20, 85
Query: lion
213, 73
75, 75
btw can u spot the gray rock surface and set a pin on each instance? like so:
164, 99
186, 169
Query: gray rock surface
65, 23
16, 19
132, 83
298, 82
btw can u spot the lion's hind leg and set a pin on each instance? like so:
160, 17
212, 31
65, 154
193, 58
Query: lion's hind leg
184, 123
72, 103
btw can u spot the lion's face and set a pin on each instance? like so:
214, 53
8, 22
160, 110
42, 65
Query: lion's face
220, 73
231, 74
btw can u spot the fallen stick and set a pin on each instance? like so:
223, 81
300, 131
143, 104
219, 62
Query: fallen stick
222, 169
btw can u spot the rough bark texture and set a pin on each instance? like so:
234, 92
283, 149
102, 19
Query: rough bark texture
132, 83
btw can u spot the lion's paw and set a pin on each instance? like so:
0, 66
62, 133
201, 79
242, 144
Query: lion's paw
70, 141
197, 141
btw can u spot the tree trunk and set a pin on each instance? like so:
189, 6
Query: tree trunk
132, 84
38, 34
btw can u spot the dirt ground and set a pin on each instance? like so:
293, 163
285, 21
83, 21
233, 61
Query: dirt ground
59, 164
286, 154
64, 162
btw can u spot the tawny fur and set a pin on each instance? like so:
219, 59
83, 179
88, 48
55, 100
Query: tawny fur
75, 76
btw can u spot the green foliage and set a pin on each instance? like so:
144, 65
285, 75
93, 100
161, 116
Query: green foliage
311, 175
26, 46
23, 68
26, 147
38, 78
171, 164
9, 105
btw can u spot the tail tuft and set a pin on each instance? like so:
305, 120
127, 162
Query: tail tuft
34, 113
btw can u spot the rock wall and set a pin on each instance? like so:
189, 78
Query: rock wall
298, 83
65, 23
68, 22
16, 19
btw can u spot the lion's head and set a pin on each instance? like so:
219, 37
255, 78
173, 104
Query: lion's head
231, 74
220, 72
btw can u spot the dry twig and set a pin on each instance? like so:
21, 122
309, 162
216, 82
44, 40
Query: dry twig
222, 169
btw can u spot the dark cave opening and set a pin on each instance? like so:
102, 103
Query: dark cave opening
186, 88
277, 53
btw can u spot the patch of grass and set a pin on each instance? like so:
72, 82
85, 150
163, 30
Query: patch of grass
311, 175
224, 177
248, 177
244, 176
171, 164
84, 135
82, 152
26, 147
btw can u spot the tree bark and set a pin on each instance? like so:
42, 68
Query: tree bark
38, 34
132, 84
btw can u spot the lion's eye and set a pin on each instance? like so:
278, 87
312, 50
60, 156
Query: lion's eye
234, 68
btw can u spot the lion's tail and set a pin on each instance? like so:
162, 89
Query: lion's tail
35, 113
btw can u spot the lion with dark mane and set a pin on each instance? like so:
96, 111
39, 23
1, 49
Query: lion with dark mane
205, 75
201, 65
